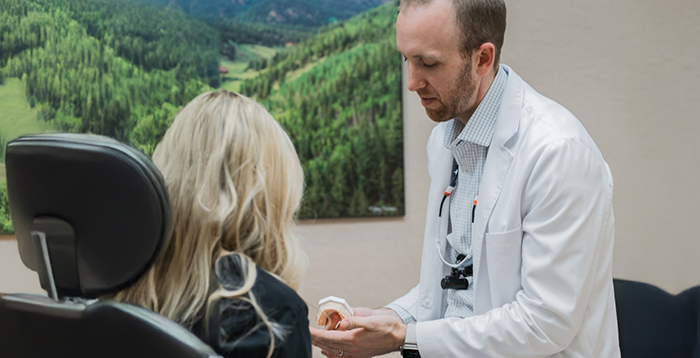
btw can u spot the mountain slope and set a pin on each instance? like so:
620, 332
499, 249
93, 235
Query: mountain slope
338, 95
307, 12
209, 9
313, 13
107, 67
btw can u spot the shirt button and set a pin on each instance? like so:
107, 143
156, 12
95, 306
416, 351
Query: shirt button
426, 303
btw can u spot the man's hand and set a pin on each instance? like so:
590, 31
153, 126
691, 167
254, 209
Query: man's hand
367, 334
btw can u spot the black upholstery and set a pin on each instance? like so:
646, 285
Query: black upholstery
654, 323
101, 211
110, 194
33, 326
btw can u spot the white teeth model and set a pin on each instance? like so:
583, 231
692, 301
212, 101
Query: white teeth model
329, 305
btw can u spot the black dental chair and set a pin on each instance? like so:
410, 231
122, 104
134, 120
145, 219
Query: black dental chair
91, 215
654, 323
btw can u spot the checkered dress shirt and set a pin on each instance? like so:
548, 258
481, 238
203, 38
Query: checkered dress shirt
469, 145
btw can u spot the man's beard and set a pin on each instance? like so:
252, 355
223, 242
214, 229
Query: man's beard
457, 98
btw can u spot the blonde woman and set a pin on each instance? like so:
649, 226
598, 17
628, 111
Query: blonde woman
232, 265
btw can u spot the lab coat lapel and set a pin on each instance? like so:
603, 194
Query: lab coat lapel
431, 295
496, 169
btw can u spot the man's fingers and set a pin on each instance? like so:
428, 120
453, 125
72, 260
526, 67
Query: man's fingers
352, 323
362, 311
346, 324
319, 338
325, 335
336, 353
323, 338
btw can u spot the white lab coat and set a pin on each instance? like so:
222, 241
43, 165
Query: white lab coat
542, 242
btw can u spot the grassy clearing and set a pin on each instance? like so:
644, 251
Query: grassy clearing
247, 53
237, 69
16, 117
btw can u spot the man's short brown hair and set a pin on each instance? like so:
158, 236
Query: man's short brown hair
481, 21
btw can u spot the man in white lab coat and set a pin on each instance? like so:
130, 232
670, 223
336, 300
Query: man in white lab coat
517, 254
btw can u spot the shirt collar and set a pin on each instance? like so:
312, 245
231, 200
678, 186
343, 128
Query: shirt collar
479, 128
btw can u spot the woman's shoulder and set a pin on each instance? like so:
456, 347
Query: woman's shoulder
233, 318
270, 292
273, 294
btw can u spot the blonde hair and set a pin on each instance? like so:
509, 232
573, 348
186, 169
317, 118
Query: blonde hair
235, 182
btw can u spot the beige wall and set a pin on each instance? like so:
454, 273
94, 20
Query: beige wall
629, 70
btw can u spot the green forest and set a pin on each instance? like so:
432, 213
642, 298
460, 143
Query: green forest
124, 68
343, 113
306, 13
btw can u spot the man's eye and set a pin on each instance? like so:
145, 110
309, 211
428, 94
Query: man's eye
404, 58
428, 64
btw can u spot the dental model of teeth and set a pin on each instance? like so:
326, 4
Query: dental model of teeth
330, 305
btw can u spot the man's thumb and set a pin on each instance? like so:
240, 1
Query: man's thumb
351, 323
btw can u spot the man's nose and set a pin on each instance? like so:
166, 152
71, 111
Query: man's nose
415, 80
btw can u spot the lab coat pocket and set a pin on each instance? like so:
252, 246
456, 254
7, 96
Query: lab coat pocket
503, 259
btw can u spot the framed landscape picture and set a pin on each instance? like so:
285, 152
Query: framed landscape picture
327, 70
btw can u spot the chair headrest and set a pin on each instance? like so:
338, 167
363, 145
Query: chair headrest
102, 206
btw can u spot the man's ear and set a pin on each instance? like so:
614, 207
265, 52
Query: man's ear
483, 58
